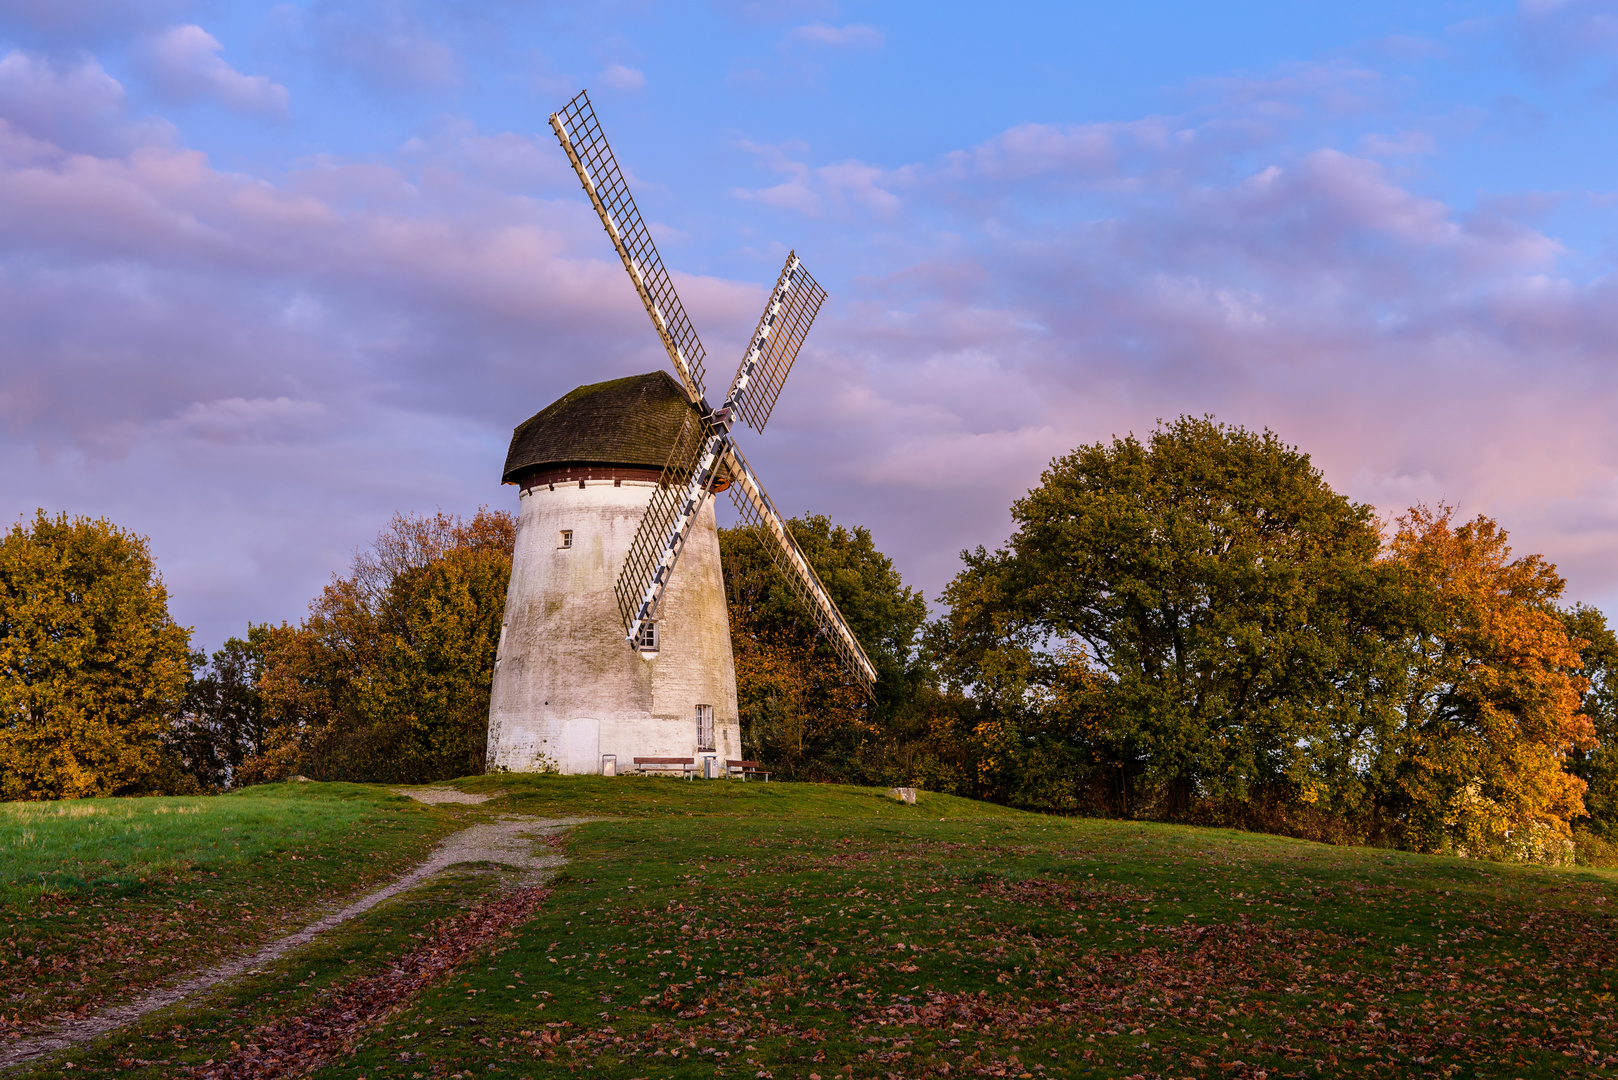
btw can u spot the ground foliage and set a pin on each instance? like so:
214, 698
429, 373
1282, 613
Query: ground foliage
328, 1027
104, 898
92, 668
999, 949
388, 678
745, 934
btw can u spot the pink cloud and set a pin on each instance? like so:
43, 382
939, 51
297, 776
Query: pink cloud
836, 189
81, 20
390, 47
277, 363
184, 64
1552, 34
1056, 285
70, 105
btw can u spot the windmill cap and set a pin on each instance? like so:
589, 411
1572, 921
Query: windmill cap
628, 423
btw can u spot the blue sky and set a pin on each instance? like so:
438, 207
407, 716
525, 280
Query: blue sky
270, 272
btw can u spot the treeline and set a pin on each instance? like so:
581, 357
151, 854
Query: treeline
1197, 628
386, 680
1193, 628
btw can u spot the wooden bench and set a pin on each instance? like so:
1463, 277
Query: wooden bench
684, 765
746, 769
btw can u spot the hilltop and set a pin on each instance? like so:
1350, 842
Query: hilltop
760, 930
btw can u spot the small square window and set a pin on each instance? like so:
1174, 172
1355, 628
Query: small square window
564, 539
646, 637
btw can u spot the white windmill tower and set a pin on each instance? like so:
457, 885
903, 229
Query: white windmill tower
604, 650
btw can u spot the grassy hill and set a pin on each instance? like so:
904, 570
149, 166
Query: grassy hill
104, 897
727, 929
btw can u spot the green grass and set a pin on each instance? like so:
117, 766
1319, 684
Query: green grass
721, 929
203, 1031
113, 847
650, 796
101, 898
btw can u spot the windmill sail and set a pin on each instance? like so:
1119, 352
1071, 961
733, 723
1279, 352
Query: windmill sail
681, 491
759, 513
793, 305
704, 444
688, 477
581, 137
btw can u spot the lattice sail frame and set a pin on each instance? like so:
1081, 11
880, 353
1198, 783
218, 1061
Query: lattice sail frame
681, 491
794, 303
758, 512
579, 132
690, 473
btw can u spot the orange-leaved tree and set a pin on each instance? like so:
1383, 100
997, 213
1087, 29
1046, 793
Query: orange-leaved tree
388, 678
1492, 709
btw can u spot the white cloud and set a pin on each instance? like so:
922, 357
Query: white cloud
260, 420
839, 188
1404, 144
852, 36
184, 64
75, 22
626, 80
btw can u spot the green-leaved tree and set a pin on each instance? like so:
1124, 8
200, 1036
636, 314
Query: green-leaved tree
1200, 611
799, 709
1597, 766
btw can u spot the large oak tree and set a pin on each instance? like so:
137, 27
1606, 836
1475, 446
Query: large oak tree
1214, 581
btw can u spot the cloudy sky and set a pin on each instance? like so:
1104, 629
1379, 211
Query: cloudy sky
271, 271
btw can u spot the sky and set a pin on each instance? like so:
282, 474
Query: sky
270, 272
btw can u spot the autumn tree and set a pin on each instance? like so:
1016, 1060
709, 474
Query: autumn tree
1492, 711
92, 667
1214, 584
799, 708
388, 678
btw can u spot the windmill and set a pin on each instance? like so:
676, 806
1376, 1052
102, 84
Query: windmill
602, 435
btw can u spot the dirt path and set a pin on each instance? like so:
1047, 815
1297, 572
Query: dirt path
509, 842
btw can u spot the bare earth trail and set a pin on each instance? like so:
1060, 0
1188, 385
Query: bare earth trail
509, 842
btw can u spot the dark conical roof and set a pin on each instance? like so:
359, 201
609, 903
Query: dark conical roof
629, 422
